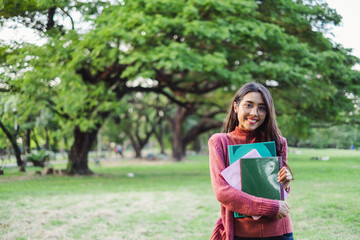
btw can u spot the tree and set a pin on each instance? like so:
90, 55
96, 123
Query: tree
11, 133
188, 49
38, 77
310, 77
194, 47
187, 123
140, 120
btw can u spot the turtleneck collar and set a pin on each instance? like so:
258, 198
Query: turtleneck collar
250, 136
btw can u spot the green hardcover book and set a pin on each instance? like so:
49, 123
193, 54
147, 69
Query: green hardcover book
265, 149
259, 177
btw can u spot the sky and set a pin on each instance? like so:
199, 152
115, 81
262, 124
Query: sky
348, 34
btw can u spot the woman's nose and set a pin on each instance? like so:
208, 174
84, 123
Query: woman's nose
254, 111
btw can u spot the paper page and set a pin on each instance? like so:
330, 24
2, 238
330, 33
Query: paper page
232, 173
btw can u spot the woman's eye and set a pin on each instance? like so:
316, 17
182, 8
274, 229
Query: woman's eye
262, 109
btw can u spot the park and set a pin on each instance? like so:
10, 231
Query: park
106, 109
161, 198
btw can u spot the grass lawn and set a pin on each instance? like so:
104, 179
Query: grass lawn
131, 199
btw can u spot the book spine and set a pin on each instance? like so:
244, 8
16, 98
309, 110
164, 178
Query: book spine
282, 193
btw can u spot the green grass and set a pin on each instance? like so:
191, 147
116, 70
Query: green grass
168, 200
325, 198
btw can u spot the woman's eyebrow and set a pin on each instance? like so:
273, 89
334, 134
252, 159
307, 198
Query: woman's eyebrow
248, 101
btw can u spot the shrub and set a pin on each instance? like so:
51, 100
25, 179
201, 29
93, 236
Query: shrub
39, 158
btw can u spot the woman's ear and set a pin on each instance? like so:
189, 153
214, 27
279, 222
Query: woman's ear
235, 107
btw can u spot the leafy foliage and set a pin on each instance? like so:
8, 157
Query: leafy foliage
195, 52
39, 158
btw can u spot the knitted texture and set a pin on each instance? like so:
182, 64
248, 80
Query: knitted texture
233, 200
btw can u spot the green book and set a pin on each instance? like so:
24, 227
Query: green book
265, 149
259, 177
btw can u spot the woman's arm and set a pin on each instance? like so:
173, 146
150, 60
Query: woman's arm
285, 175
233, 199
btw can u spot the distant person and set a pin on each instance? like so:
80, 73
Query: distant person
119, 150
251, 119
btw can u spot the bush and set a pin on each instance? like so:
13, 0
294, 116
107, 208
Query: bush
39, 158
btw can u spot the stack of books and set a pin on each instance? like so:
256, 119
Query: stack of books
253, 169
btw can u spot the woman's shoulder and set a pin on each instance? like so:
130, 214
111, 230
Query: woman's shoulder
283, 145
283, 141
219, 138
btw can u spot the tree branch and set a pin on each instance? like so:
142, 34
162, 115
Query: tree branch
204, 125
71, 19
200, 87
160, 91
50, 22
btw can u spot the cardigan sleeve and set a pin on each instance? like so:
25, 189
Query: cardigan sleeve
284, 155
232, 198
284, 150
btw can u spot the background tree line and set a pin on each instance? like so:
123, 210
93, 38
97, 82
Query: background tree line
167, 69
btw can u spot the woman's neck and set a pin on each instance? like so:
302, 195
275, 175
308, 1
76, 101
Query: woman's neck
243, 130
246, 136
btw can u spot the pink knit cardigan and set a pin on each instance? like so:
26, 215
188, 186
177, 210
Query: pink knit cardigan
233, 200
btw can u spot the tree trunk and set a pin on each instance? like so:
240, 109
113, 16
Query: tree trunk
177, 146
78, 156
137, 142
176, 129
197, 145
27, 147
203, 126
34, 137
47, 138
159, 137
137, 148
15, 146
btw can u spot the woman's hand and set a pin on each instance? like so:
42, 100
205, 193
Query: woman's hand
284, 177
284, 210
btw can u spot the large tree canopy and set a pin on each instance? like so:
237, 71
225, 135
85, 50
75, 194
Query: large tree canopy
194, 47
184, 50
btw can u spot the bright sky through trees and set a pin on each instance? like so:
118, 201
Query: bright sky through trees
347, 34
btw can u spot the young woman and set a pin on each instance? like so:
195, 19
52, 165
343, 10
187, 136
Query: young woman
251, 118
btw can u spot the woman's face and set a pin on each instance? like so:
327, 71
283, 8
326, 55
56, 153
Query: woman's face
251, 111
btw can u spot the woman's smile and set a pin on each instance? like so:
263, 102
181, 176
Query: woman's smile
252, 120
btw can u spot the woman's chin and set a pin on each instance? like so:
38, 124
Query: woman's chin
249, 127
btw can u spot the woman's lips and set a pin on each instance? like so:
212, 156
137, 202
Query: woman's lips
252, 121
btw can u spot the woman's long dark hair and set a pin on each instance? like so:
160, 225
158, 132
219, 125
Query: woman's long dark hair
269, 131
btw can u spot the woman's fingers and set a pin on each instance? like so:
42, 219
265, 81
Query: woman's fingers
281, 174
286, 185
281, 177
288, 175
283, 169
284, 209
284, 175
